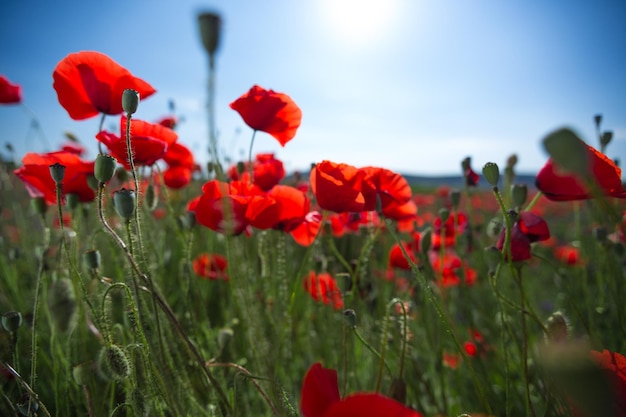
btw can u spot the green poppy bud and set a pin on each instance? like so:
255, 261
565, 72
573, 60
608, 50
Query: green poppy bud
444, 214
124, 203
57, 172
150, 198
606, 138
349, 316
130, 101
71, 200
426, 240
11, 321
104, 167
455, 198
557, 327
83, 372
39, 205
92, 182
224, 336
519, 193
92, 258
210, 25
114, 363
597, 119
491, 172
568, 151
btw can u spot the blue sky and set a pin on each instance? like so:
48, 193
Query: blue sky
410, 85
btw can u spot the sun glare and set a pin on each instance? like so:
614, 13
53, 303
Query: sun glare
359, 22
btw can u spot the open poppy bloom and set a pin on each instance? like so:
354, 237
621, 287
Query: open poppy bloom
89, 83
561, 186
306, 232
615, 366
342, 188
149, 142
323, 287
9, 93
35, 173
180, 166
211, 266
270, 112
412, 248
266, 169
320, 398
527, 229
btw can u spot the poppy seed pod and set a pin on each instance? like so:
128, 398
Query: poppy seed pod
349, 316
57, 172
557, 327
606, 138
92, 258
11, 321
124, 203
130, 101
491, 172
39, 205
210, 27
93, 182
72, 200
104, 167
426, 240
598, 120
150, 198
224, 336
455, 198
519, 193
114, 363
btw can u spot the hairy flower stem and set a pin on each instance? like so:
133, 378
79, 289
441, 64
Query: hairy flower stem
371, 349
528, 404
31, 393
160, 301
442, 315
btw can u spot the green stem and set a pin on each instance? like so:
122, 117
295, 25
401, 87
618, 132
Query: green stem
371, 349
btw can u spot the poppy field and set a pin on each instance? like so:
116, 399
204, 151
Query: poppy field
140, 283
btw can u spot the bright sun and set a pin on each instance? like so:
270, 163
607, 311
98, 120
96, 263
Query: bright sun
359, 22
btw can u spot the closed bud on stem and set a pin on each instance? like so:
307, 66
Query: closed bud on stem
557, 327
121, 174
598, 120
210, 28
92, 182
130, 101
92, 259
606, 138
511, 161
241, 167
124, 203
114, 363
455, 198
519, 193
57, 172
71, 200
491, 172
11, 321
150, 198
349, 316
83, 372
444, 214
426, 240
104, 167
224, 336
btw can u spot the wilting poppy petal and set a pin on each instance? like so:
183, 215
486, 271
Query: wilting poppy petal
89, 83
270, 112
319, 391
9, 93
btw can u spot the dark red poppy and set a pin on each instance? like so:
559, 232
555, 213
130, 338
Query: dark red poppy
89, 83
527, 229
266, 169
559, 186
270, 112
342, 188
149, 142
9, 93
323, 288
35, 173
211, 266
615, 366
320, 398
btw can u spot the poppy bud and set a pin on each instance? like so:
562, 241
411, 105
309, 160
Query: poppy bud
455, 198
597, 119
519, 193
57, 172
83, 373
241, 167
568, 151
121, 174
606, 138
92, 182
11, 321
494, 227
426, 240
104, 167
150, 198
71, 200
39, 205
62, 304
92, 258
466, 163
491, 172
210, 25
511, 161
557, 327
444, 214
224, 336
124, 203
349, 316
130, 101
114, 363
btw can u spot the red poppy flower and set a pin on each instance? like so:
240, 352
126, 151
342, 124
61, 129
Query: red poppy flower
412, 248
168, 121
177, 177
448, 230
270, 112
89, 83
451, 360
323, 287
615, 366
211, 266
567, 254
35, 173
293, 206
342, 188
320, 398
75, 148
181, 166
231, 207
149, 142
560, 186
449, 267
528, 228
306, 232
267, 171
9, 93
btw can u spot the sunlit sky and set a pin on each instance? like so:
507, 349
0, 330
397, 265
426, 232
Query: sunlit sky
410, 85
